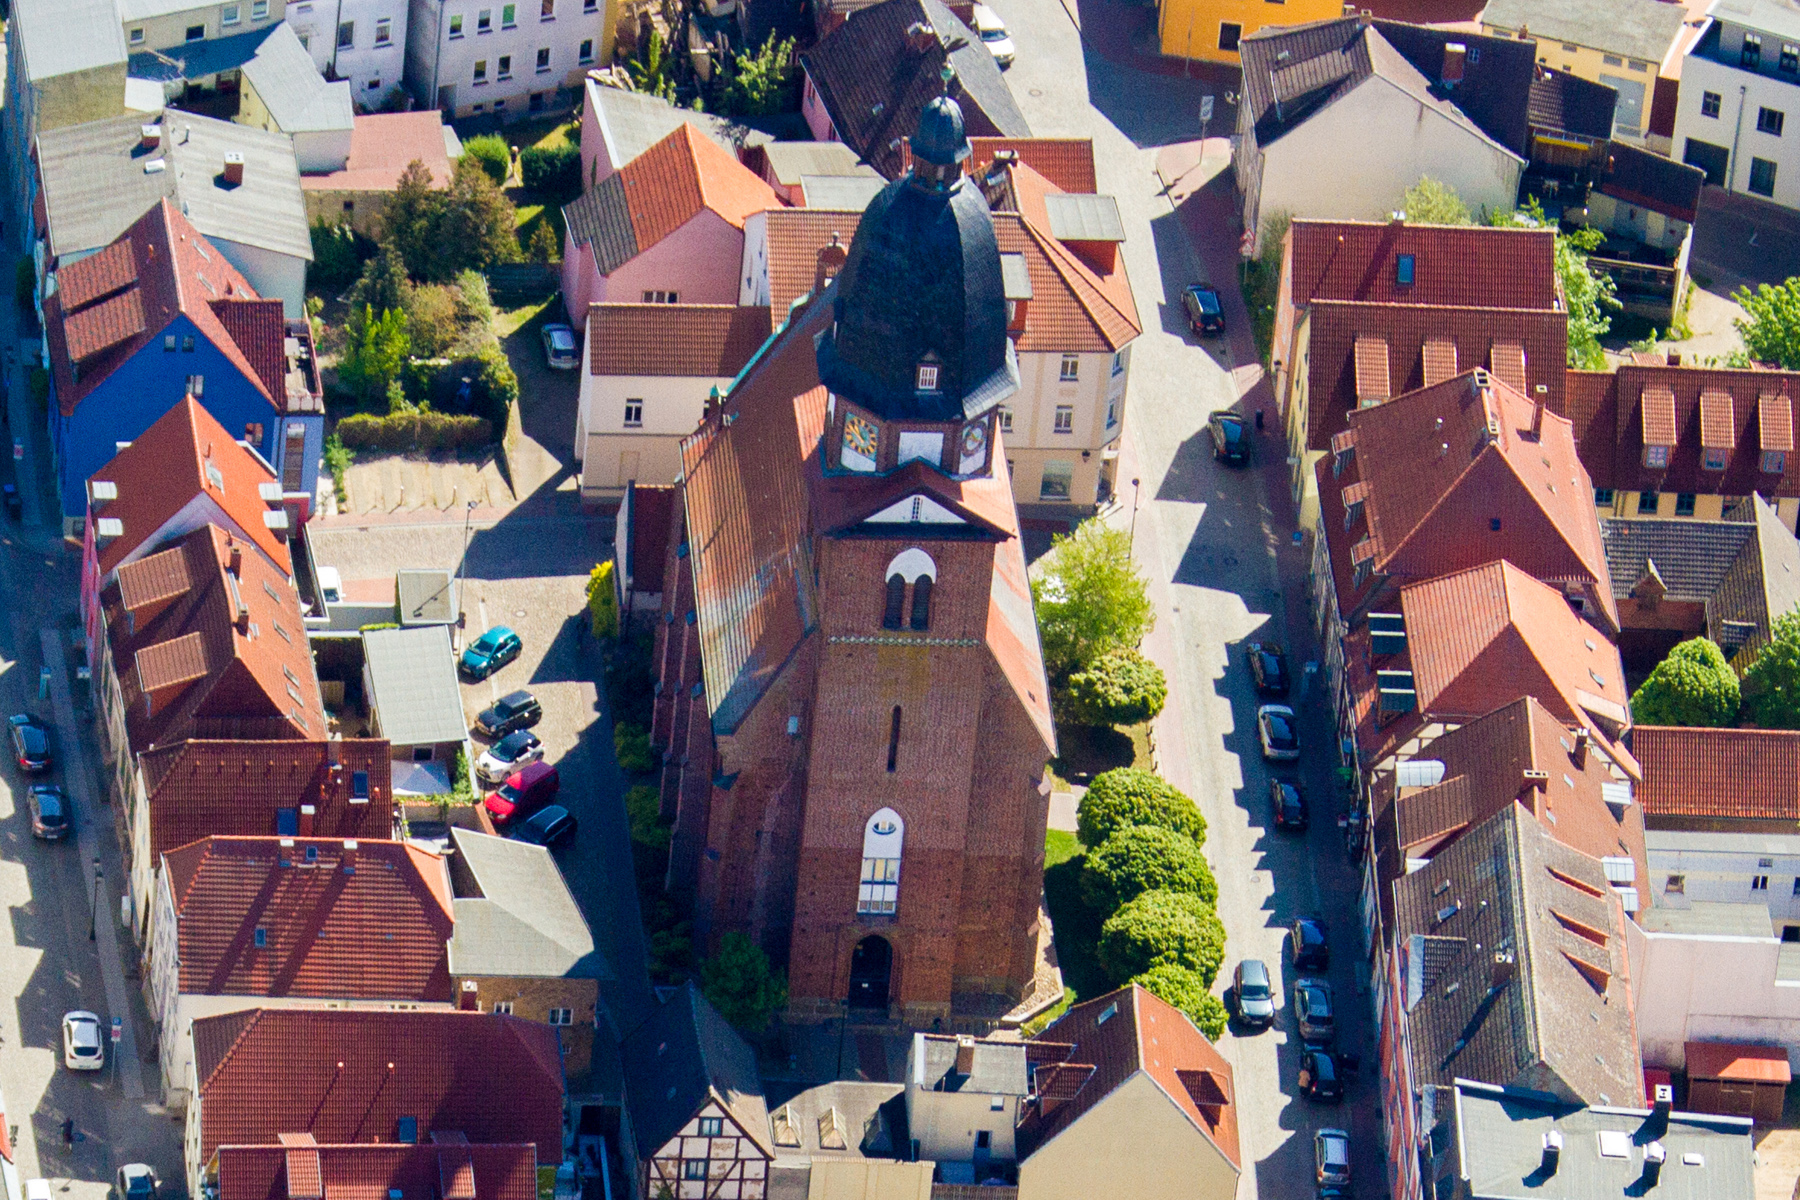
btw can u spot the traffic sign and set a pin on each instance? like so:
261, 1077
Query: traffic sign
118, 1029
1206, 107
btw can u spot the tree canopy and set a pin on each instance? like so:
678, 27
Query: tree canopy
741, 984
1771, 688
1184, 989
1163, 927
440, 232
1694, 685
762, 82
1090, 597
1121, 687
1145, 858
1128, 796
1771, 324
1429, 202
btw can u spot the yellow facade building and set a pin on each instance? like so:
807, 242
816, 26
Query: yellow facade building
1210, 29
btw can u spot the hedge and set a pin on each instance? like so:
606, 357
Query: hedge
1121, 687
1127, 796
421, 429
1163, 927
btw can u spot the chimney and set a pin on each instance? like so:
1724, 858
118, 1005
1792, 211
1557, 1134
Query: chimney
307, 812
965, 1054
149, 137
1654, 1154
1552, 1153
1534, 781
830, 261
1580, 753
1502, 973
920, 37
1674, 358
349, 856
234, 168
236, 563
1455, 54
1537, 420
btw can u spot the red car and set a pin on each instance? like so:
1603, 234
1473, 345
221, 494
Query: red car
524, 792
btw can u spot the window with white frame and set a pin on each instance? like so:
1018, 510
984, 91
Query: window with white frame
230, 14
634, 413
506, 66
504, 1007
137, 37
484, 20
1065, 418
879, 892
456, 25
587, 50
1112, 411
712, 1126
1005, 418
1071, 368
928, 377
384, 31
259, 10
561, 1016
543, 59
1759, 883
656, 297
1118, 363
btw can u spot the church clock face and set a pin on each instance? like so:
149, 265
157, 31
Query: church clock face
861, 440
974, 447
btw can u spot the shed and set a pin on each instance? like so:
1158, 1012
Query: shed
409, 679
1737, 1080
425, 597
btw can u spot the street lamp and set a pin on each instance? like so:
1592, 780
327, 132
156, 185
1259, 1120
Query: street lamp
94, 912
1134, 508
462, 563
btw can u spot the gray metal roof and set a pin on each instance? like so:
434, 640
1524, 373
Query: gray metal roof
521, 922
1076, 218
681, 1057
631, 123
50, 49
1640, 29
96, 185
872, 1117
1499, 1150
412, 674
996, 1068
1015, 276
1709, 918
849, 192
290, 86
1770, 16
425, 597
791, 160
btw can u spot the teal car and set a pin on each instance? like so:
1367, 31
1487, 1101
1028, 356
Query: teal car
491, 651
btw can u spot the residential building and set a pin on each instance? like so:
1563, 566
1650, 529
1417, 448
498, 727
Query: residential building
1214, 30
697, 1123
203, 639
813, 174
1336, 123
1725, 580
360, 41
158, 315
206, 62
185, 28
1118, 1074
782, 246
1495, 1136
645, 380
266, 922
1624, 44
847, 1139
617, 125
181, 792
868, 81
239, 188
465, 58
863, 649
964, 1100
1739, 81
281, 91
382, 146
1694, 867
444, 1165
641, 549
1720, 780
282, 1077
663, 229
1716, 971
1508, 964
521, 945
1645, 206
415, 703
1667, 440
1364, 306
182, 473
54, 80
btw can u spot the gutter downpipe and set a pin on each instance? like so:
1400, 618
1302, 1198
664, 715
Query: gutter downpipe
1737, 133
437, 59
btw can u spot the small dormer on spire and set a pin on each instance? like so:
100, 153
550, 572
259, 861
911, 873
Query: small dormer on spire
830, 262
940, 145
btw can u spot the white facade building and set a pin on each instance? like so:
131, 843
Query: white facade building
1691, 867
1713, 972
1739, 84
510, 57
363, 41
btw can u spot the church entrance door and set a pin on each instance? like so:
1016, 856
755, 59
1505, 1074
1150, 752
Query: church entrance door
871, 966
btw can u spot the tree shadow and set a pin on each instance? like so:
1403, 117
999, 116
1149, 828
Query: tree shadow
1087, 750
1076, 927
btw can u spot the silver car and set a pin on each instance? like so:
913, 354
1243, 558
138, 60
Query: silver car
1277, 733
559, 347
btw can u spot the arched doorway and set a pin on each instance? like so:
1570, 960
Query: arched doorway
871, 966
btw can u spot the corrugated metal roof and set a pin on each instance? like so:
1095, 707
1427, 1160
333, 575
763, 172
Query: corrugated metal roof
1076, 218
413, 675
52, 47
291, 88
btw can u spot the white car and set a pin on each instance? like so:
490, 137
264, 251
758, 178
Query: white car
515, 751
992, 32
559, 347
84, 1044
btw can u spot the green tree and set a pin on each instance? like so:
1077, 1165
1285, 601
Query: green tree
651, 70
741, 984
383, 285
553, 171
1163, 927
477, 225
335, 260
435, 318
374, 351
1590, 297
477, 302
492, 152
763, 82
1090, 598
1694, 685
1145, 858
1429, 202
1121, 687
1127, 796
1181, 988
602, 601
541, 246
1771, 687
409, 218
1771, 323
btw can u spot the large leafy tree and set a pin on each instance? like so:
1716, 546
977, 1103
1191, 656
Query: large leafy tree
1771, 323
763, 82
1127, 796
1771, 687
375, 350
440, 232
1694, 685
741, 984
1121, 687
1184, 989
1090, 597
1145, 858
1429, 202
1163, 927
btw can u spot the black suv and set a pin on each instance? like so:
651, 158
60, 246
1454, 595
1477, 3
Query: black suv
516, 710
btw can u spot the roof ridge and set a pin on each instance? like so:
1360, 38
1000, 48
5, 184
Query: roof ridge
1064, 259
237, 1043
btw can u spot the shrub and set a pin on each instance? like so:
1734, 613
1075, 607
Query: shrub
1694, 685
492, 153
1183, 989
643, 808
1127, 796
434, 318
477, 301
338, 458
602, 601
497, 378
1145, 858
1121, 687
414, 429
375, 349
631, 743
335, 257
553, 171
742, 985
1163, 927
1772, 684
541, 246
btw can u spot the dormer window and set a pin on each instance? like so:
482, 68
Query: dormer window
928, 377
1657, 457
1403, 270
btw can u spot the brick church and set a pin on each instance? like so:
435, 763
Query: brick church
850, 689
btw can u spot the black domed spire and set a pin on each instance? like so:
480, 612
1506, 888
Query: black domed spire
921, 288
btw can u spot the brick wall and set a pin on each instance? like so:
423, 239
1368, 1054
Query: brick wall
533, 998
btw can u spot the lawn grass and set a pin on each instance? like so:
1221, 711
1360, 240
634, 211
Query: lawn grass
508, 321
1060, 846
1087, 750
1076, 925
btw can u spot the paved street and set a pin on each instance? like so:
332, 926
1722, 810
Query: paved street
1217, 546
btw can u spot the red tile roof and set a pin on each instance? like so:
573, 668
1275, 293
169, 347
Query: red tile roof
320, 917
348, 1075
241, 642
166, 466
374, 1172
667, 185
1470, 266
382, 146
1068, 163
1115, 1037
699, 341
796, 235
172, 270
1725, 774
257, 327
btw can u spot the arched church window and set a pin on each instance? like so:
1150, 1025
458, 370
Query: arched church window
879, 891
921, 604
895, 608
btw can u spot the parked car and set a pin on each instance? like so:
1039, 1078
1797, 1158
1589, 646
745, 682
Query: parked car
1268, 668
517, 749
1332, 1151
1204, 312
1230, 440
549, 826
14, 506
1307, 947
1289, 804
49, 812
491, 651
1253, 994
1313, 1012
1319, 1079
1334, 1191
513, 711
524, 792
31, 743
559, 347
992, 32
1276, 730
82, 1042
135, 1181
